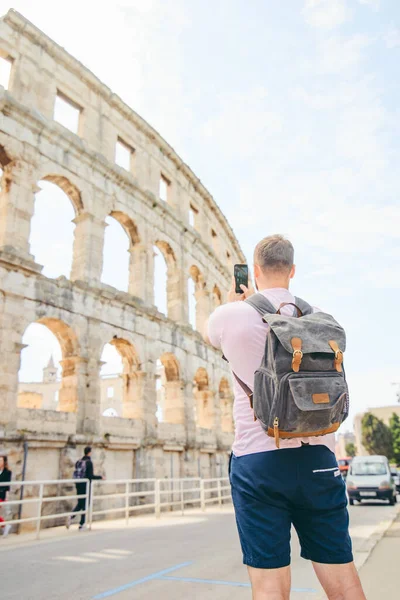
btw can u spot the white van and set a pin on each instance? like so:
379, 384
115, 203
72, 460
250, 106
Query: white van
370, 478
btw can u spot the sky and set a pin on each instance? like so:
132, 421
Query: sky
289, 114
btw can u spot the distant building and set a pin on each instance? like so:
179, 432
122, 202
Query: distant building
341, 442
45, 394
41, 394
381, 412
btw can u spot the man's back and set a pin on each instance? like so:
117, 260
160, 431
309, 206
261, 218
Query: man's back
239, 331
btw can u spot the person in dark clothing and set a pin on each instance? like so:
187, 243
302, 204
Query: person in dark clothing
83, 470
5, 477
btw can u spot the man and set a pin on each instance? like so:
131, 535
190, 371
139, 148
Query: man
275, 488
83, 470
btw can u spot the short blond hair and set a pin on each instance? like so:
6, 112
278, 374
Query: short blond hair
274, 253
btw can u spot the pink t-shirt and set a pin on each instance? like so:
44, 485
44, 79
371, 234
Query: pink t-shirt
238, 330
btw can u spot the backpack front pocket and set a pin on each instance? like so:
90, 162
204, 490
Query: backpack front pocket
315, 402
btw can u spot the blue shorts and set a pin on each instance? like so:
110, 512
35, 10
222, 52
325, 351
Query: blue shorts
299, 486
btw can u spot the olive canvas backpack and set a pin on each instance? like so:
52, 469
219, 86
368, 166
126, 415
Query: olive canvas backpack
300, 388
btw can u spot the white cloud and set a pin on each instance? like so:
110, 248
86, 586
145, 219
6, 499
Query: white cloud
326, 14
337, 53
373, 3
318, 95
392, 37
244, 122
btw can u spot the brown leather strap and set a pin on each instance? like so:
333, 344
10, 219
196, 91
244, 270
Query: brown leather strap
299, 313
243, 385
289, 435
245, 388
338, 356
297, 353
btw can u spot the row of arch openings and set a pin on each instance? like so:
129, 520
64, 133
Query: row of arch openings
50, 370
57, 209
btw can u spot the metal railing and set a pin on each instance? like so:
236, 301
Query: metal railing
40, 500
119, 498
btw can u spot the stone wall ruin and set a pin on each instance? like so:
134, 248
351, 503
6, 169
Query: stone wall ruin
160, 203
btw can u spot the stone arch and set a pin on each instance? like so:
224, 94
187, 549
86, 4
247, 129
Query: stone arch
171, 366
226, 404
4, 157
69, 188
5, 177
129, 384
204, 397
129, 226
168, 253
64, 333
128, 352
196, 275
58, 213
201, 296
201, 379
67, 389
129, 275
173, 284
170, 399
217, 296
5, 174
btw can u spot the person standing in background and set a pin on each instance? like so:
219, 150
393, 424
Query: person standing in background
5, 477
83, 470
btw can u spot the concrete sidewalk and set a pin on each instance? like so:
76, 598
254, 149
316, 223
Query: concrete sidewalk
380, 574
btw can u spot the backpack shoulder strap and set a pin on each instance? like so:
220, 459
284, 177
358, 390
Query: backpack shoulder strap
261, 304
305, 308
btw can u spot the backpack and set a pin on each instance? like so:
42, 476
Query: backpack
300, 388
80, 469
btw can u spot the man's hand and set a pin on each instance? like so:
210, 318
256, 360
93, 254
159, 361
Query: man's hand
234, 297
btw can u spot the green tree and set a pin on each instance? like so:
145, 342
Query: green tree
394, 425
376, 436
350, 449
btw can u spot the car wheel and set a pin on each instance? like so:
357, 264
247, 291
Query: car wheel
392, 500
351, 501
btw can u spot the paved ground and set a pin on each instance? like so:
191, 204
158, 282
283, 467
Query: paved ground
380, 574
196, 557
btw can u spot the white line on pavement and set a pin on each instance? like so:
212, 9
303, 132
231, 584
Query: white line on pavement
116, 551
75, 559
100, 555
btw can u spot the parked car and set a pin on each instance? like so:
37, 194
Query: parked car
396, 477
344, 464
370, 478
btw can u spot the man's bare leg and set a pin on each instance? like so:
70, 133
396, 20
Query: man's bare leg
340, 582
270, 584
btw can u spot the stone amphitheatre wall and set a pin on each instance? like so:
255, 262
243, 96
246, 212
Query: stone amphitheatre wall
85, 314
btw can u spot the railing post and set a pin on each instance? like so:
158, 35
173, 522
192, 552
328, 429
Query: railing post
39, 513
202, 496
219, 493
127, 503
157, 498
182, 498
90, 491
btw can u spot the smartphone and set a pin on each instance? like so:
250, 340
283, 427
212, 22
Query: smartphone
241, 273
